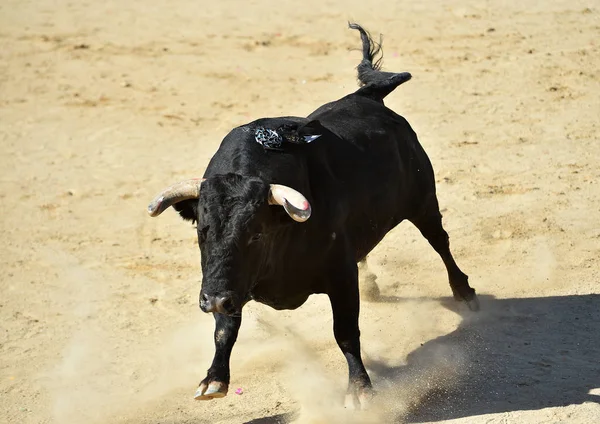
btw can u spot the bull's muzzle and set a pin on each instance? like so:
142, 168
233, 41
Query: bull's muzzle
220, 304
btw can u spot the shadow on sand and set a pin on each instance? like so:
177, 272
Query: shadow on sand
515, 354
275, 419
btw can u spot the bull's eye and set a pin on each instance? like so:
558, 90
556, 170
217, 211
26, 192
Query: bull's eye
256, 237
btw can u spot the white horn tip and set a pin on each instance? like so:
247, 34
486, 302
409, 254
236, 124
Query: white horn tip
154, 207
297, 214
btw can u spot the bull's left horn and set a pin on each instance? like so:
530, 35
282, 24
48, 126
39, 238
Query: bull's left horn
294, 203
184, 190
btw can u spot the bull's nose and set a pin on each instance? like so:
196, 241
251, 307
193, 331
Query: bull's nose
220, 304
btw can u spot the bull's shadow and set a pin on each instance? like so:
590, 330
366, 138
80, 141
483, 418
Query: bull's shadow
515, 354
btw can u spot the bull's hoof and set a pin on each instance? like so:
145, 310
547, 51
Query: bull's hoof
473, 304
359, 401
214, 390
470, 299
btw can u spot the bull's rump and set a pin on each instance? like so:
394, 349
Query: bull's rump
379, 171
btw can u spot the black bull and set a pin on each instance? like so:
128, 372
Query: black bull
341, 193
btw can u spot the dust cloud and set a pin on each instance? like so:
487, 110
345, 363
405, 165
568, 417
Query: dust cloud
304, 359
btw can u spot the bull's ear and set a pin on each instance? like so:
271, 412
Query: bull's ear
188, 209
311, 126
314, 129
311, 131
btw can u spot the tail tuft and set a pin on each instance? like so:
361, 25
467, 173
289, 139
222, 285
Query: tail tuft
375, 83
370, 50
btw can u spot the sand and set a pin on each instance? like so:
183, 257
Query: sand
103, 104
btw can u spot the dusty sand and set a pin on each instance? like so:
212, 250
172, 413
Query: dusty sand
102, 104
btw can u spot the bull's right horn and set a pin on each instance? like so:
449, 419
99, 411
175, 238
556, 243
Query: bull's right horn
184, 190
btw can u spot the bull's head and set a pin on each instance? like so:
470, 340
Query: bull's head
233, 215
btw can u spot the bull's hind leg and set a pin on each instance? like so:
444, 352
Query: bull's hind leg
429, 224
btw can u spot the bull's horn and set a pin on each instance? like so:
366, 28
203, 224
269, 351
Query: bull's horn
184, 190
294, 203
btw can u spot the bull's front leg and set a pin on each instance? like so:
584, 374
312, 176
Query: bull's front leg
216, 383
344, 298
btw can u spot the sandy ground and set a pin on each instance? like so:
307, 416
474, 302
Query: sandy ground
102, 104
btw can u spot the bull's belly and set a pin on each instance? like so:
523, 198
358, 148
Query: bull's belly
369, 236
285, 294
281, 303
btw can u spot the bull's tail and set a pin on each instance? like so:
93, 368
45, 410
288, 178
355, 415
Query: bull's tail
375, 83
368, 67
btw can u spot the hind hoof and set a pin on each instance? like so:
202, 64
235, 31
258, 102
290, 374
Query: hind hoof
473, 304
359, 401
